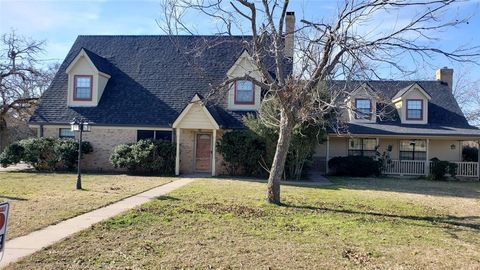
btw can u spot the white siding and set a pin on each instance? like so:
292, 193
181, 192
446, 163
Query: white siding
196, 118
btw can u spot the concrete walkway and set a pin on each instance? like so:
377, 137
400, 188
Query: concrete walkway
25, 245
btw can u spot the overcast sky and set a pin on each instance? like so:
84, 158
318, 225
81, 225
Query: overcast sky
60, 22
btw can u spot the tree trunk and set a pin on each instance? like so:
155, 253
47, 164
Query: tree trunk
278, 164
3, 134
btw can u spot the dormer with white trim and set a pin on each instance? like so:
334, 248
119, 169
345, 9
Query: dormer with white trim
196, 116
87, 79
362, 105
244, 95
412, 104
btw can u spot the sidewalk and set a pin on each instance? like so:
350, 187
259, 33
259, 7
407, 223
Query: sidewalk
25, 245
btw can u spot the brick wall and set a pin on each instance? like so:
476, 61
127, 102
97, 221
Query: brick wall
103, 141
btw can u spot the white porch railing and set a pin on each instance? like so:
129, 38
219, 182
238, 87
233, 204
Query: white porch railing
405, 167
467, 169
418, 167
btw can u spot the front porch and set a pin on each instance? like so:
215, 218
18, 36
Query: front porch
196, 135
408, 155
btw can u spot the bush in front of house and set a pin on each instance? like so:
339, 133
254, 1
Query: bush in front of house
358, 166
440, 168
242, 152
45, 154
154, 157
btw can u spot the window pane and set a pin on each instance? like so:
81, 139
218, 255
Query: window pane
145, 134
163, 135
369, 144
355, 144
82, 87
66, 133
363, 108
407, 145
414, 114
244, 92
414, 104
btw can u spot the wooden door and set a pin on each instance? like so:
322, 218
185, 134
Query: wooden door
203, 153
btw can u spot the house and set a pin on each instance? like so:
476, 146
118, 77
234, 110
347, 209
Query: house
137, 87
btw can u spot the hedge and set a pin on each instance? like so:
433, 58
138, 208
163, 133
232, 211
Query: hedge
45, 154
155, 157
354, 166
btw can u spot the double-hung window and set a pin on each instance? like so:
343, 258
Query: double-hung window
414, 109
413, 150
82, 87
362, 147
244, 92
363, 108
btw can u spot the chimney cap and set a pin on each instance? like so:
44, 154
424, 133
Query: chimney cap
290, 13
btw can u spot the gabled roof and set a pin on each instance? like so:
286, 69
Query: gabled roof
407, 89
97, 62
444, 115
152, 79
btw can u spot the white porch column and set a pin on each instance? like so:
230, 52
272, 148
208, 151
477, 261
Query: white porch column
177, 155
478, 158
427, 162
327, 155
214, 152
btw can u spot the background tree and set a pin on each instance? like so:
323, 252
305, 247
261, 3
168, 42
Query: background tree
22, 81
325, 49
467, 93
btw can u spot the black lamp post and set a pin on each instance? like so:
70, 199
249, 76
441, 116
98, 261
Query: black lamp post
79, 125
413, 143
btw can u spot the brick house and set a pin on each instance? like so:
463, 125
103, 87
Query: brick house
137, 87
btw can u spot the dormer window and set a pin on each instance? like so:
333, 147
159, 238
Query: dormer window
414, 109
83, 85
244, 92
363, 108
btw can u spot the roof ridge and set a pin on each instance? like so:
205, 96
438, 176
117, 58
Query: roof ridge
234, 36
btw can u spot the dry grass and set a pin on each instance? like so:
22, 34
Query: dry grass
41, 199
223, 224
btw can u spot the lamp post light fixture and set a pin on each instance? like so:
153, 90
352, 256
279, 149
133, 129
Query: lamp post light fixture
79, 125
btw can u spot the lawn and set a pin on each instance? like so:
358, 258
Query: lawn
41, 199
223, 224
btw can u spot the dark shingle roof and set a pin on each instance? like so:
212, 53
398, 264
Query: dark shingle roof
444, 115
152, 79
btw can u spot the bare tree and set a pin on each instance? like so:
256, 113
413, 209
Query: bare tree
21, 79
467, 93
325, 49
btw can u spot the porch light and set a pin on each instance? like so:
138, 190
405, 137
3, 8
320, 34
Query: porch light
452, 146
79, 125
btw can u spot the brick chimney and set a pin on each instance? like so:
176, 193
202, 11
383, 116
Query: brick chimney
289, 33
445, 75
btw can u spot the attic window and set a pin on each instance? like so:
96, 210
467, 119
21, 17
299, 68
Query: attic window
414, 109
83, 85
363, 108
244, 92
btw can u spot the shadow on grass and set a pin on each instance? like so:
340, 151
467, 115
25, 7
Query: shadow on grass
13, 198
167, 198
413, 186
470, 222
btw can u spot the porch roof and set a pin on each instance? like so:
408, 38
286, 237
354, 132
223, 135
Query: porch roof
408, 129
